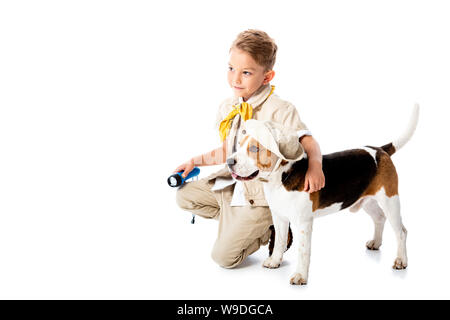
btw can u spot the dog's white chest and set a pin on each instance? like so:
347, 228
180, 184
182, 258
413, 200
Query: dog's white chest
287, 203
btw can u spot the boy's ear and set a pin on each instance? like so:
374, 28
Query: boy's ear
268, 76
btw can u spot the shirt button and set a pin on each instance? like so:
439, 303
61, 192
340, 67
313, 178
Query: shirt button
244, 132
251, 201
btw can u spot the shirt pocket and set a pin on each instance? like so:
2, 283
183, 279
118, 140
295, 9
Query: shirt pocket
254, 193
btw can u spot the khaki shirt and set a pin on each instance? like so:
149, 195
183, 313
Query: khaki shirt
265, 108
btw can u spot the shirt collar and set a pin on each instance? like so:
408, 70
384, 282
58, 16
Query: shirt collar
258, 97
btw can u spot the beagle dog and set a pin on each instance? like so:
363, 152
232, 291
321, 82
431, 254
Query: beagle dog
358, 178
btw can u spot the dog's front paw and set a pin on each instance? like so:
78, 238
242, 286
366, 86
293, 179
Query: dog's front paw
271, 263
298, 279
399, 264
373, 245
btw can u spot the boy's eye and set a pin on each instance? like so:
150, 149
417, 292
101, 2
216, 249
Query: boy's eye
247, 73
230, 68
253, 149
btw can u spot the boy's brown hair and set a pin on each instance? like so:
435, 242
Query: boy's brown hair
258, 45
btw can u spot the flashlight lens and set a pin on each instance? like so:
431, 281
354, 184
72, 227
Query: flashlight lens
173, 181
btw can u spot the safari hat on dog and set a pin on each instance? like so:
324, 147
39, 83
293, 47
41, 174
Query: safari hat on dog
281, 140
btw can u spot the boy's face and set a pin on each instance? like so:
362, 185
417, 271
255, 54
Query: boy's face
245, 75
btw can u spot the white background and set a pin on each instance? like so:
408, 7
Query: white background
101, 100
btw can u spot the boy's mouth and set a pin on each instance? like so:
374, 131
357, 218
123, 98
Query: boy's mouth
237, 88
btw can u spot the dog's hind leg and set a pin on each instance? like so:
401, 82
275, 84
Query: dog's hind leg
281, 226
376, 213
391, 208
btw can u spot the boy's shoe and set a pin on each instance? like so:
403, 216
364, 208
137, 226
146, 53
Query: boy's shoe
272, 239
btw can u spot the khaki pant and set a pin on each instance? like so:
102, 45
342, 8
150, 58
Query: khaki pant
242, 230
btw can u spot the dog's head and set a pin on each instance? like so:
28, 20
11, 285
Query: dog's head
262, 149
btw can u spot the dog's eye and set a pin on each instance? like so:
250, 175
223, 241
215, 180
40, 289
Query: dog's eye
253, 149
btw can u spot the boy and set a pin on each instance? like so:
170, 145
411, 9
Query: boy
243, 213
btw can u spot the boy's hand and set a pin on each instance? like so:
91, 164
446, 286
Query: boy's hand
314, 179
187, 167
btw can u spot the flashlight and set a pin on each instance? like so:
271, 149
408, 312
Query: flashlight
177, 180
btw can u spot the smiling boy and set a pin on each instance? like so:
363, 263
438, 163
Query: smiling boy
240, 206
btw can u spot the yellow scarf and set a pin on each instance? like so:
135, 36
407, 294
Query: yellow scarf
246, 112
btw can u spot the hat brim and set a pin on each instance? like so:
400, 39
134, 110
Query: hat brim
278, 139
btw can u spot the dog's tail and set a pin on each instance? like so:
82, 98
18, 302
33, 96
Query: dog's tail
392, 147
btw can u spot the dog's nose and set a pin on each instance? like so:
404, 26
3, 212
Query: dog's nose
231, 162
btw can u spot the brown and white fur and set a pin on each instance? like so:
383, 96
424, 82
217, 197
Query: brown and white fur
358, 178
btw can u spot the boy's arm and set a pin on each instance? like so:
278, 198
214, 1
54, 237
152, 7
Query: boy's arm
213, 157
315, 179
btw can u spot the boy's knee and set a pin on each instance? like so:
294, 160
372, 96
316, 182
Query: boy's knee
183, 200
229, 254
195, 198
227, 260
